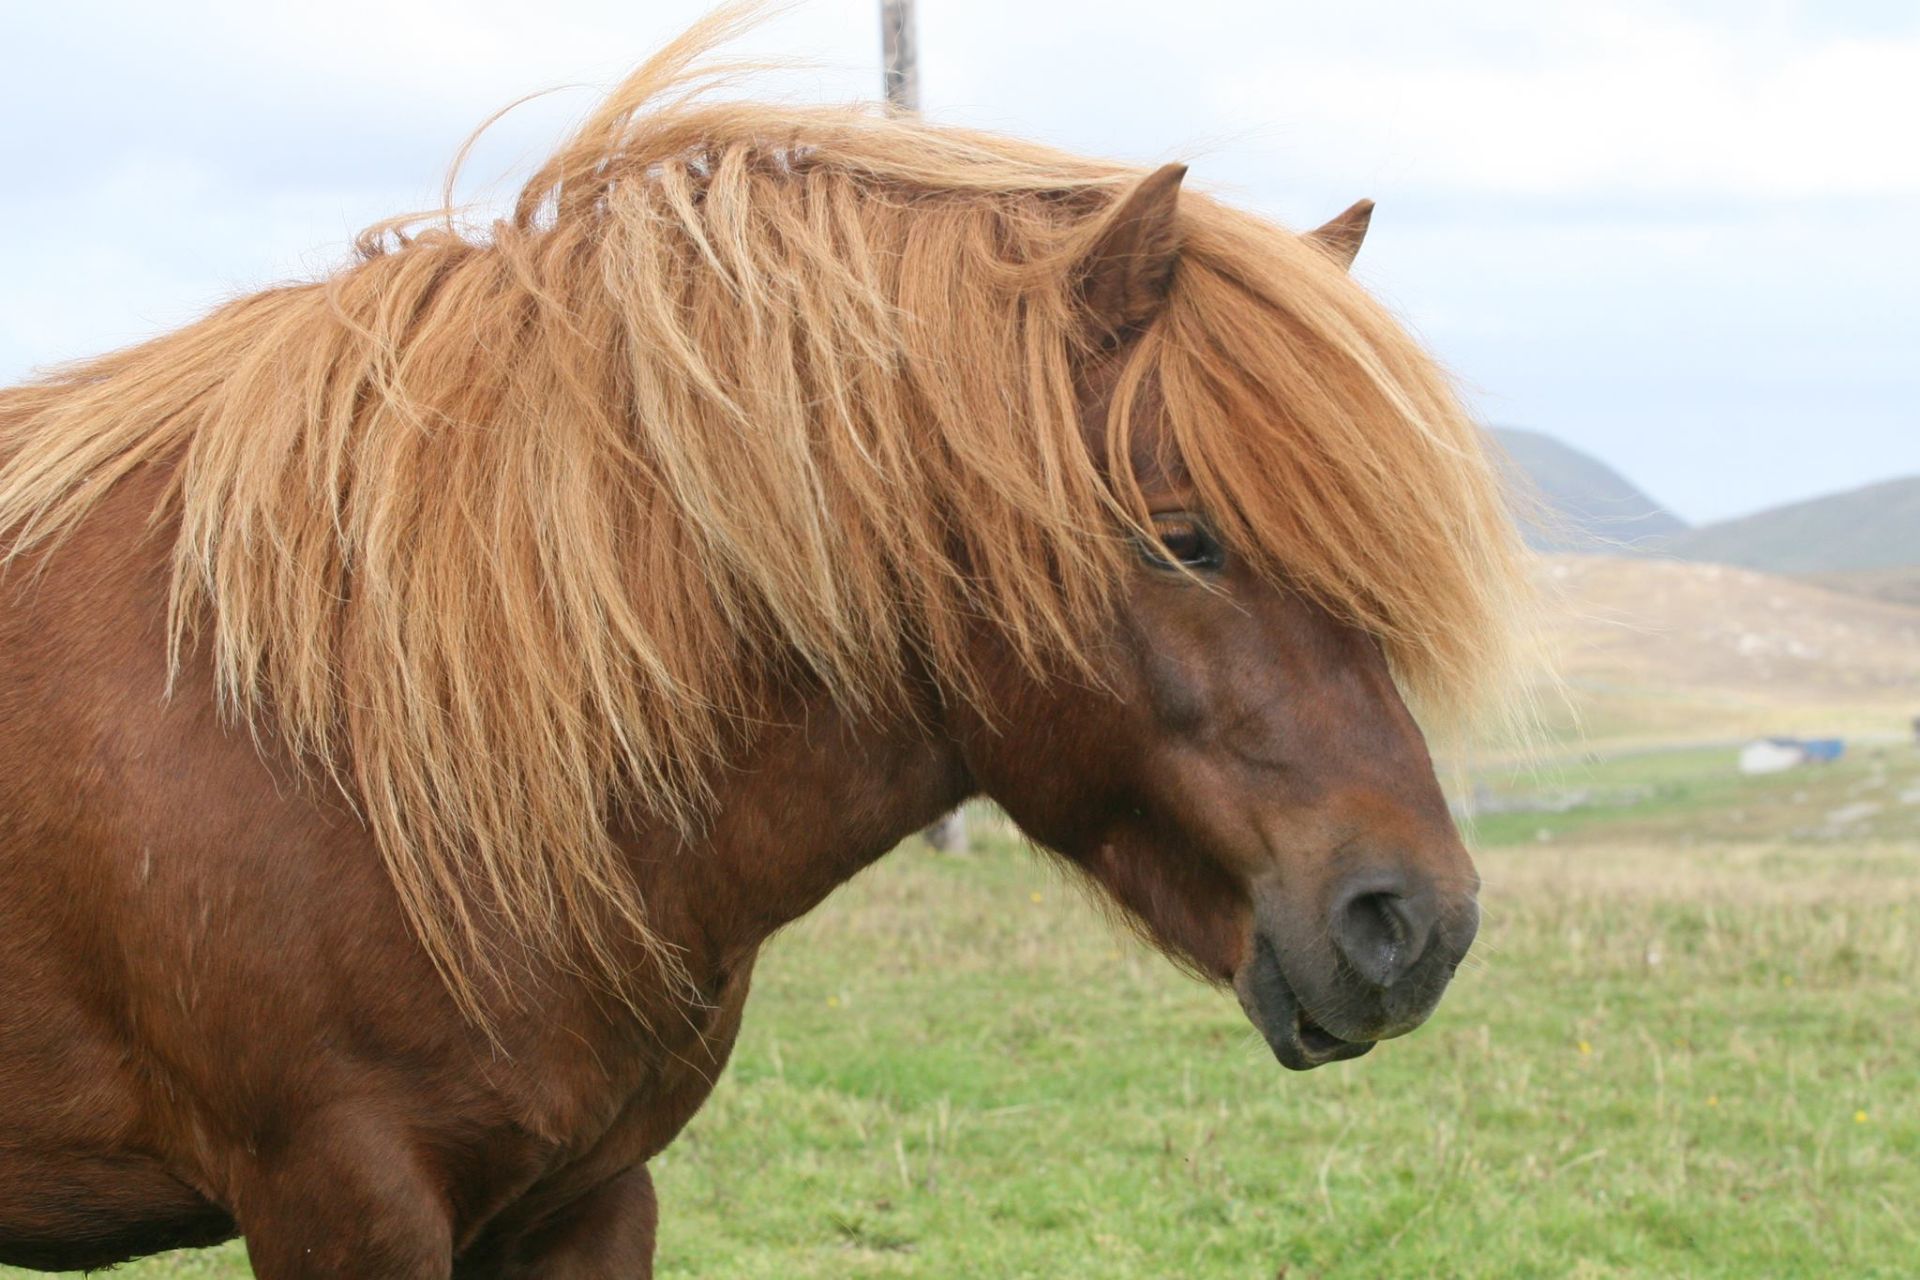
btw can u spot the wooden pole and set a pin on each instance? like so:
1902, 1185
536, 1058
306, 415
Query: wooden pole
900, 48
900, 81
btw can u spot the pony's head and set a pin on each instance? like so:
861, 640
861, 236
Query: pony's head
1240, 772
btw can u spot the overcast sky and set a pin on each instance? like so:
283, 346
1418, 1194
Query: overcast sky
1681, 235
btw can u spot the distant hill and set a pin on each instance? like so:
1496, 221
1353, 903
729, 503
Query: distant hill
1863, 541
1587, 505
1875, 528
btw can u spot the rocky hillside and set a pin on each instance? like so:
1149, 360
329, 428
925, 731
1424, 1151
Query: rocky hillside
1659, 649
1895, 586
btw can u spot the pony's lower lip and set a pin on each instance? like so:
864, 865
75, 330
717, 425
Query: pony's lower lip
1300, 1043
1318, 1045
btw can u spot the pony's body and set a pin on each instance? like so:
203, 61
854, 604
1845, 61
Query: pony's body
198, 1003
424, 691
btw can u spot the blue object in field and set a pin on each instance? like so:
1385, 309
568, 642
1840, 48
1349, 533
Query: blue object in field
1817, 750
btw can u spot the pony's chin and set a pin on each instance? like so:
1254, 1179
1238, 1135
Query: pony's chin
1300, 1043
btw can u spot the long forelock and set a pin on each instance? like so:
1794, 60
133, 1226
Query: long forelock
507, 527
1333, 449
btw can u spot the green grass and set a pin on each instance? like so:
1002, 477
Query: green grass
1663, 1061
1682, 797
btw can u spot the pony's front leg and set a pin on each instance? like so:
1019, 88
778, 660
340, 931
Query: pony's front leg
607, 1234
341, 1200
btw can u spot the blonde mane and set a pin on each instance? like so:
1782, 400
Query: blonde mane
516, 526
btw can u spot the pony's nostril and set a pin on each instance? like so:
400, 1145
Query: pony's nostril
1382, 933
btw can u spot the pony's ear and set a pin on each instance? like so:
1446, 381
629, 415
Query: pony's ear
1125, 277
1340, 236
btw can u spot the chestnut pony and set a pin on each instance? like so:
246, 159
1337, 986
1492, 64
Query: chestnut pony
422, 691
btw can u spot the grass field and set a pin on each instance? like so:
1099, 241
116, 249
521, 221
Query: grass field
1681, 797
1688, 1045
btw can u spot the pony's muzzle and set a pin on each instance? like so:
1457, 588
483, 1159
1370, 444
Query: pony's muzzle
1372, 967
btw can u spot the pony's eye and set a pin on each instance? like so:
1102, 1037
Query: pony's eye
1184, 541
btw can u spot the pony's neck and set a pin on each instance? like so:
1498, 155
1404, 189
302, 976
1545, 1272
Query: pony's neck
816, 797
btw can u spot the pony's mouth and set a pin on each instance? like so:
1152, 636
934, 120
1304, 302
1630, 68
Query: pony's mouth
1299, 1042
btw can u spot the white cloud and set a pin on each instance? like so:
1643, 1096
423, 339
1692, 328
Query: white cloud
1621, 104
1504, 96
